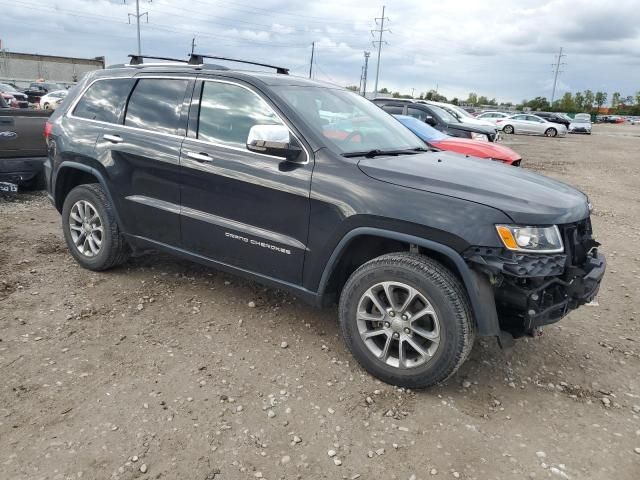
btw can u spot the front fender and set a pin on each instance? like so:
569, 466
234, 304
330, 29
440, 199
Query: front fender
476, 284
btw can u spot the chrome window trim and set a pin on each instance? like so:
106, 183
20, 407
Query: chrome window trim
69, 113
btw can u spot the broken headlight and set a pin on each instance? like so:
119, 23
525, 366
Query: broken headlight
531, 239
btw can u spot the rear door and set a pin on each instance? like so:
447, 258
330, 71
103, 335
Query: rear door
239, 207
138, 150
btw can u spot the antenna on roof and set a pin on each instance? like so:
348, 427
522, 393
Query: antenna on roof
198, 59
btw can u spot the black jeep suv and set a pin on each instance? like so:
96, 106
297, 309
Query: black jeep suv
311, 188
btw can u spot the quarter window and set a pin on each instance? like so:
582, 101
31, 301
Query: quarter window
104, 100
156, 104
393, 109
227, 113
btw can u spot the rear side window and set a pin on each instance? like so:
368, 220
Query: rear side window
227, 113
156, 104
393, 109
104, 100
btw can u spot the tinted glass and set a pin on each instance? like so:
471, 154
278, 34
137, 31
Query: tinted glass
104, 100
421, 129
156, 104
227, 113
393, 109
417, 113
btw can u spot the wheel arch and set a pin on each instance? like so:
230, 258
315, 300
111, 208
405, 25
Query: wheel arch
476, 285
71, 174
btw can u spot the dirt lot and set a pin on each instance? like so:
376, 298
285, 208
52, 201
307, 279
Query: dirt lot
165, 369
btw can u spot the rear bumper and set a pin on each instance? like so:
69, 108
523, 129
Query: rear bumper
20, 170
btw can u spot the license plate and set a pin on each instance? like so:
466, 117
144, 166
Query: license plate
8, 187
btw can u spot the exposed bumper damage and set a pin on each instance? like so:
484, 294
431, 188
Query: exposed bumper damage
532, 290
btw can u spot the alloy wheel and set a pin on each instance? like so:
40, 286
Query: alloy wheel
398, 325
86, 228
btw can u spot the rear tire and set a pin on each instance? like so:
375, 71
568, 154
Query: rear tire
508, 129
551, 132
394, 345
91, 230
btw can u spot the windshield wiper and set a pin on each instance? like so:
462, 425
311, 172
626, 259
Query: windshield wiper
378, 153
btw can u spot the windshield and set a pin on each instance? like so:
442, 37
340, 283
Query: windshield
422, 130
460, 111
348, 122
582, 118
7, 88
445, 116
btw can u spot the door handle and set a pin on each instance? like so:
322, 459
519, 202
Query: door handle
113, 138
199, 157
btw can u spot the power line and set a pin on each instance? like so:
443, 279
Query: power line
379, 42
555, 78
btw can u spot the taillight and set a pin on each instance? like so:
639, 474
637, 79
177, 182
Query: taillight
48, 127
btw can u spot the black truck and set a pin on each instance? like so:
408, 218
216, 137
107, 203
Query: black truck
311, 188
23, 150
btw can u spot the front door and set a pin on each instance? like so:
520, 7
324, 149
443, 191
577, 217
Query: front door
242, 208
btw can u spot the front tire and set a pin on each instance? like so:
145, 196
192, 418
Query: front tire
551, 132
406, 320
508, 129
91, 230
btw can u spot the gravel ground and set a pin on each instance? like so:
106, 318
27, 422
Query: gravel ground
165, 369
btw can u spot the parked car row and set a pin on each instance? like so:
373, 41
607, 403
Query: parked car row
316, 190
45, 95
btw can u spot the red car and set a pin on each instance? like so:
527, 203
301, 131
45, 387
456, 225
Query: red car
466, 146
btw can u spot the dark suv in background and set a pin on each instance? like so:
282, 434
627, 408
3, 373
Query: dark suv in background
311, 188
554, 118
438, 118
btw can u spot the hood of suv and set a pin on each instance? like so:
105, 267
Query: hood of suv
526, 197
471, 127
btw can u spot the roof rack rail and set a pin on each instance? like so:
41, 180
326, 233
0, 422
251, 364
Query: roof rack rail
138, 59
198, 59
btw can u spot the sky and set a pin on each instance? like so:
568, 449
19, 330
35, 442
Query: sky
501, 49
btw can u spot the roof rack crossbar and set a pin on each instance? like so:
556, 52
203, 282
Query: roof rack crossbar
198, 59
138, 59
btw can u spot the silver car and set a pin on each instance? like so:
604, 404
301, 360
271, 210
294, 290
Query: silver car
492, 117
530, 125
581, 123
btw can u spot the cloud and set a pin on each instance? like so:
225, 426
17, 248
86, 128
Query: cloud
495, 48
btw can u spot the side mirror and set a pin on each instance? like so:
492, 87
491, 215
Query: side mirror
430, 120
273, 140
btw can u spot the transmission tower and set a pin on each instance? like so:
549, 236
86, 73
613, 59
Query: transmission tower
138, 16
379, 43
556, 66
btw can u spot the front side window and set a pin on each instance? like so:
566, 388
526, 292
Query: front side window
104, 100
348, 122
227, 113
156, 104
393, 109
417, 113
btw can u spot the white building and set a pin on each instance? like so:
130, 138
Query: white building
24, 68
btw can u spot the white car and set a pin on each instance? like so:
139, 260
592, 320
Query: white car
581, 123
531, 125
492, 117
51, 100
461, 114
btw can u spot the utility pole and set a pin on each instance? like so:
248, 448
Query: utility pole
555, 78
412, 90
193, 44
379, 42
138, 16
313, 48
366, 68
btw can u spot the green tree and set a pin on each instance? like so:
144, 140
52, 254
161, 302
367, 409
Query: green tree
354, 88
638, 97
589, 99
384, 90
578, 100
455, 100
473, 98
615, 99
482, 100
628, 100
566, 103
538, 103
493, 101
600, 99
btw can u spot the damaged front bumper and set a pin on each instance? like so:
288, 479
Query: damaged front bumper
532, 290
